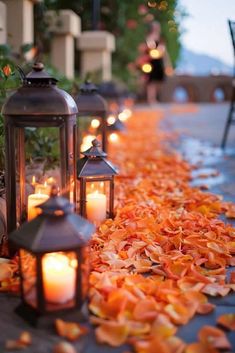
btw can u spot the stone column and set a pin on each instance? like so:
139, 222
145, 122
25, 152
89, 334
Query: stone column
65, 25
96, 53
20, 22
3, 30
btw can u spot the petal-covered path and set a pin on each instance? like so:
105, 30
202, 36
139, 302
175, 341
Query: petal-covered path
159, 266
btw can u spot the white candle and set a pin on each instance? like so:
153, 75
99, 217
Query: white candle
96, 207
43, 189
59, 278
33, 201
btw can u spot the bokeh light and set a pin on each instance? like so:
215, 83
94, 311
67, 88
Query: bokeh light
146, 68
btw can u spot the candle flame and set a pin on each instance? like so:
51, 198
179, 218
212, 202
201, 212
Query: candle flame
33, 180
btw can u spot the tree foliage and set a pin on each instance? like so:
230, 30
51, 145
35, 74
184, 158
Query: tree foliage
128, 21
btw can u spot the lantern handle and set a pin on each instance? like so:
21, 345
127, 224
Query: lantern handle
21, 72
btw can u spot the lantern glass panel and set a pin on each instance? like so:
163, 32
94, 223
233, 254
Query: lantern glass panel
29, 277
90, 128
59, 278
37, 162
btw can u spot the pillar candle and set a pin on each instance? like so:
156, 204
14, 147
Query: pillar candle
59, 278
33, 201
96, 207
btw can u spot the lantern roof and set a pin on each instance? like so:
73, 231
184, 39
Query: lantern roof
57, 228
89, 102
39, 95
117, 126
112, 90
94, 162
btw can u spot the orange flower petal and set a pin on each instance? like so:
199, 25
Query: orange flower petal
200, 348
113, 333
213, 337
70, 330
227, 321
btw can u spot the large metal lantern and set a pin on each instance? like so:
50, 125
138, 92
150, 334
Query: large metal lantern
54, 262
92, 113
96, 185
36, 105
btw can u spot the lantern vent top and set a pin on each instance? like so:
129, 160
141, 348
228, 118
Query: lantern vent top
39, 96
95, 150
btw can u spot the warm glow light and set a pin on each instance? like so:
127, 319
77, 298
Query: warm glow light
146, 68
35, 200
96, 206
113, 138
50, 181
152, 4
43, 189
59, 278
95, 123
87, 142
111, 120
33, 180
155, 53
125, 114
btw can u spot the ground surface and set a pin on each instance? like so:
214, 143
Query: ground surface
200, 130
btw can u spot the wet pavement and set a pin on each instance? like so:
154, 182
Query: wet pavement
200, 129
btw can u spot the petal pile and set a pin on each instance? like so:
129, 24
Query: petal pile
156, 263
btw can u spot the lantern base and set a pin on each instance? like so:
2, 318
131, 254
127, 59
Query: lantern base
46, 320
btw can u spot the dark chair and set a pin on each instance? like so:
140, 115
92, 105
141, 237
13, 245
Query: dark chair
231, 114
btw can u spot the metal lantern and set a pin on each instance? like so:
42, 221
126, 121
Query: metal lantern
54, 263
92, 112
36, 105
96, 184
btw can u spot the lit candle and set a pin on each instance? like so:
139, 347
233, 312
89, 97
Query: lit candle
96, 207
59, 278
43, 189
33, 201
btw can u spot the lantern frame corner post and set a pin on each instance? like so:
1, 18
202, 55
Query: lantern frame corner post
82, 199
111, 191
68, 155
10, 173
53, 268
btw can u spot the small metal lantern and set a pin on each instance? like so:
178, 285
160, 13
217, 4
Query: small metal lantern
37, 104
54, 264
96, 179
92, 113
